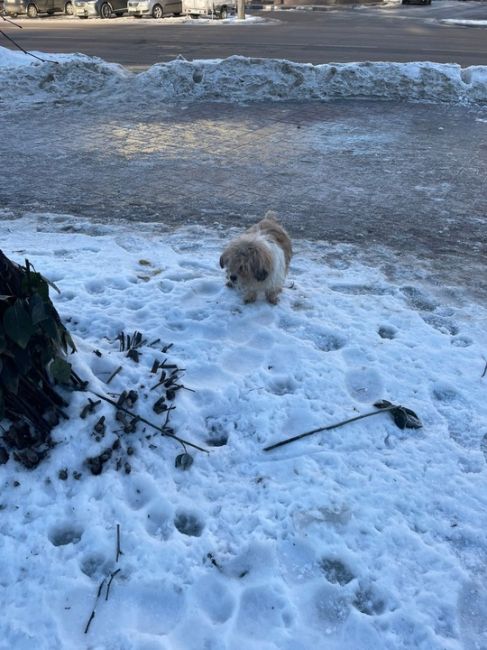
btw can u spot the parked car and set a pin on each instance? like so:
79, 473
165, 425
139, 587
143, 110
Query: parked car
215, 8
101, 8
154, 8
34, 7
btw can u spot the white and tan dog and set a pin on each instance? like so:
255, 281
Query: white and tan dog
258, 260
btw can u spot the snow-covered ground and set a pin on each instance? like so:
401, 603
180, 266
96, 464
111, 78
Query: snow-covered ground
364, 537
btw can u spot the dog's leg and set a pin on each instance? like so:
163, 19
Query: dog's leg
272, 296
250, 296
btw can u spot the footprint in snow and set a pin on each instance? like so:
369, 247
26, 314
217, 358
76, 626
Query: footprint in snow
188, 524
362, 289
364, 384
95, 565
472, 615
214, 599
387, 332
263, 610
139, 492
369, 601
324, 339
159, 520
336, 571
328, 609
418, 300
461, 342
63, 535
442, 324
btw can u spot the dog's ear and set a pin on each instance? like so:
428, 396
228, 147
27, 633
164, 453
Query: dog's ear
260, 261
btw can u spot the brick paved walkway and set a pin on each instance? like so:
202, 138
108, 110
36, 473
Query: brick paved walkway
407, 176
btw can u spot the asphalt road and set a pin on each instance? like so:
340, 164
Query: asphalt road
390, 33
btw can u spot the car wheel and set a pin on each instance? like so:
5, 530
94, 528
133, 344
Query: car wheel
32, 11
105, 10
68, 9
223, 13
157, 11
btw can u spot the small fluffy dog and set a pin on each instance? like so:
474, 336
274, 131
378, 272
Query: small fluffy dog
258, 260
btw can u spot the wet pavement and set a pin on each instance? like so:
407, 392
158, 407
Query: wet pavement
406, 178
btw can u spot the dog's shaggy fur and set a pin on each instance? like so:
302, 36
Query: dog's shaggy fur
258, 260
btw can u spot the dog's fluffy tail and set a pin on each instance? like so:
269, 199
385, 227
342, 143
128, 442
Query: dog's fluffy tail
271, 214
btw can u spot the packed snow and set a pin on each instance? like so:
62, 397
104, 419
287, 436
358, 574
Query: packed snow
465, 22
367, 536
363, 537
64, 77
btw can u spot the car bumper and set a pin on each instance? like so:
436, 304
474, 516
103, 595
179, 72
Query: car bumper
84, 11
14, 10
138, 9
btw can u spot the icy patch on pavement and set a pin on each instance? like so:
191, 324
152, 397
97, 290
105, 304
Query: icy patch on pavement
74, 77
363, 537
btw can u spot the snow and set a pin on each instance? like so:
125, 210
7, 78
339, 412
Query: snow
366, 536
465, 22
77, 78
231, 21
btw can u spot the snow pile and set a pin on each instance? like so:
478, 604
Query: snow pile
65, 77
232, 21
464, 22
363, 537
24, 79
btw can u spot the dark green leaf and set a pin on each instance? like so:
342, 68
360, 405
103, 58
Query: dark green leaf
33, 282
403, 417
383, 404
52, 285
23, 360
67, 341
37, 309
18, 324
50, 327
10, 378
60, 370
184, 461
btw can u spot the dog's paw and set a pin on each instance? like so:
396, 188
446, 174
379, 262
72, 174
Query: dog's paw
250, 297
272, 297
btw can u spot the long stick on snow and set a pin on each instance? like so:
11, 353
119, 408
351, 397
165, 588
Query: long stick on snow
403, 417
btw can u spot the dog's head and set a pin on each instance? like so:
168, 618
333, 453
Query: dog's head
246, 261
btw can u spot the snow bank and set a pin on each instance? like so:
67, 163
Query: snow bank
464, 22
23, 79
365, 537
